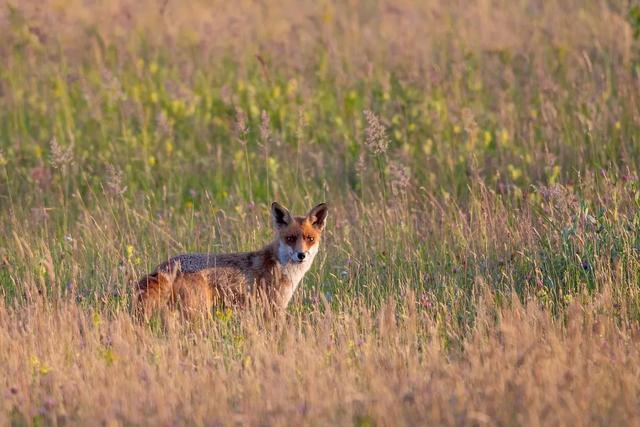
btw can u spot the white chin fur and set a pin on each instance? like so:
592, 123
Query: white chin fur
287, 254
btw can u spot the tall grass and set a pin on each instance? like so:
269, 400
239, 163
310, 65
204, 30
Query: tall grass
480, 159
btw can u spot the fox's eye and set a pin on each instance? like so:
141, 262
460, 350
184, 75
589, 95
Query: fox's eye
310, 239
291, 239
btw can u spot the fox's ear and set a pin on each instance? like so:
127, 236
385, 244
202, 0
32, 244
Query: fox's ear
318, 215
280, 215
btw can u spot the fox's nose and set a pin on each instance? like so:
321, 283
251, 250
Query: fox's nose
301, 255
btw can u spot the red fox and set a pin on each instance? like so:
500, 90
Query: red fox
196, 282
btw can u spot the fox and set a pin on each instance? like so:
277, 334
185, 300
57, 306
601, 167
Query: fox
194, 283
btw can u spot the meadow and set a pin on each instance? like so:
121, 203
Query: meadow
481, 263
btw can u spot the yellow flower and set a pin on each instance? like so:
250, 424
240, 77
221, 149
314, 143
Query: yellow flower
38, 366
254, 111
427, 147
153, 68
617, 125
292, 87
487, 137
109, 356
168, 147
555, 173
517, 193
224, 315
188, 204
568, 298
504, 136
457, 129
246, 362
130, 250
96, 319
515, 172
151, 160
34, 361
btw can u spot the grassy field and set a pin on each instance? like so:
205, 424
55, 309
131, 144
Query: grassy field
481, 264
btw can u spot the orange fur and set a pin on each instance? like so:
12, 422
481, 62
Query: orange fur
193, 283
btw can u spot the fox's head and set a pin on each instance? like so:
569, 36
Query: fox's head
298, 236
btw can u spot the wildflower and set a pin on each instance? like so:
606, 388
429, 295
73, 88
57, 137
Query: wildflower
469, 122
617, 125
302, 123
292, 87
504, 136
224, 315
109, 356
163, 125
60, 158
168, 146
241, 125
426, 301
487, 137
112, 85
400, 178
95, 319
265, 132
38, 366
114, 181
226, 95
376, 136
427, 147
515, 172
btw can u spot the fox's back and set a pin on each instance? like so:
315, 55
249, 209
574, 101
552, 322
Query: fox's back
195, 262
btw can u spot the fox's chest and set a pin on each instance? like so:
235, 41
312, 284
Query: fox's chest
292, 275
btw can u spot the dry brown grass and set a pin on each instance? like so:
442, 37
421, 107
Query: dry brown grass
517, 366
